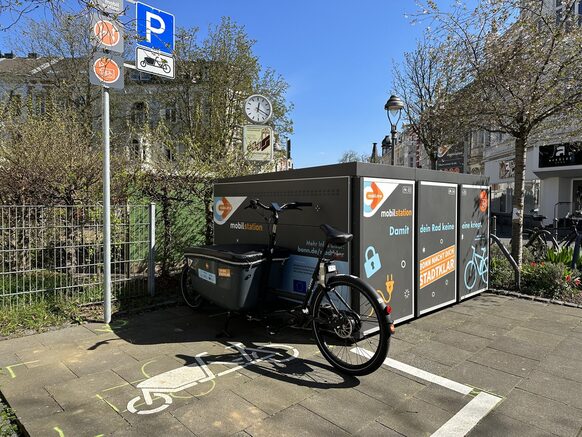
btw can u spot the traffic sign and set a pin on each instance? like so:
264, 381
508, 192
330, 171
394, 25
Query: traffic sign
155, 28
106, 33
154, 62
106, 70
110, 6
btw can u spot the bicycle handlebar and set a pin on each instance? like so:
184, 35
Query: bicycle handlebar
274, 207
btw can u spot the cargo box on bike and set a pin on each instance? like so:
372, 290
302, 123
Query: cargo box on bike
230, 274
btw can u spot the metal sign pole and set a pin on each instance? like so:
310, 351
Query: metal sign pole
106, 211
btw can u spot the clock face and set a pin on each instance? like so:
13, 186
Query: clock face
258, 108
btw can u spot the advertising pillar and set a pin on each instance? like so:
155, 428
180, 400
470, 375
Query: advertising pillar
387, 242
436, 245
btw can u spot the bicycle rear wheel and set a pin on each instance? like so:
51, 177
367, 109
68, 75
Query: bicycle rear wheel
350, 326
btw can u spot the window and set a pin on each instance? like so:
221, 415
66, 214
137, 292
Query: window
138, 113
171, 114
136, 150
16, 105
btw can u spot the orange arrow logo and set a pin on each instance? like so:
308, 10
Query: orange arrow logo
224, 208
375, 196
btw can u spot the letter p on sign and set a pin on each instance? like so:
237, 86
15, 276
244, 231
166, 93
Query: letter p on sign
155, 28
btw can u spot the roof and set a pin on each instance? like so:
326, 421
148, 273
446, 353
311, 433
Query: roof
23, 66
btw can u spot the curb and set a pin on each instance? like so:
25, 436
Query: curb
534, 298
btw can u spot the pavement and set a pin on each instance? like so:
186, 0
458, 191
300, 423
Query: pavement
490, 366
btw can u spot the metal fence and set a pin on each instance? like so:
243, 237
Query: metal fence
56, 252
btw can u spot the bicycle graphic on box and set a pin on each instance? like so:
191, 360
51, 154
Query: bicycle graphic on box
477, 267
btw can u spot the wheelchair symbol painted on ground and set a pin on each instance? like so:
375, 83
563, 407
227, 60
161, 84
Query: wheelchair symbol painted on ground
162, 386
476, 267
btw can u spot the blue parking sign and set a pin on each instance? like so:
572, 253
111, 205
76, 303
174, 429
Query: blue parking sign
155, 28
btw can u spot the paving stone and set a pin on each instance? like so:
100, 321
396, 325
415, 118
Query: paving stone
67, 335
14, 345
505, 361
570, 348
398, 346
520, 314
442, 397
481, 330
420, 361
375, 429
281, 394
389, 387
536, 337
8, 359
561, 327
81, 391
337, 407
88, 362
497, 424
526, 349
554, 387
161, 424
440, 352
497, 321
461, 340
88, 420
485, 378
45, 355
541, 412
415, 417
26, 378
565, 368
31, 403
410, 334
222, 415
440, 321
564, 311
295, 421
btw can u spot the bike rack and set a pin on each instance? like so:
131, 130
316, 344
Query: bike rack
507, 255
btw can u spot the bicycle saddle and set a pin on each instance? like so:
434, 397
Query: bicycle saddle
334, 236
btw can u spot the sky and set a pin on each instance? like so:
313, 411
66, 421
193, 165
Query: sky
336, 56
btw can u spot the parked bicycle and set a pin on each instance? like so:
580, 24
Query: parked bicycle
343, 311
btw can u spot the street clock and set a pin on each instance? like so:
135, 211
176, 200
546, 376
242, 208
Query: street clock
258, 108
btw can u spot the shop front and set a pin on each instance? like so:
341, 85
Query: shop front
559, 168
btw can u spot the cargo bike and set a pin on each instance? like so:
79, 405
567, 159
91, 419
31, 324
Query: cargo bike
350, 321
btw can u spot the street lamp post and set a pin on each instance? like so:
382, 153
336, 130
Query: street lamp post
393, 109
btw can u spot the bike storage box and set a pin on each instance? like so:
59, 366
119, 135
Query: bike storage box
420, 236
231, 275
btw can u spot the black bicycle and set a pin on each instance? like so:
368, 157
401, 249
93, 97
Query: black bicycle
352, 326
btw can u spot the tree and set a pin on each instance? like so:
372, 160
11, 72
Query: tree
518, 69
353, 156
204, 142
425, 81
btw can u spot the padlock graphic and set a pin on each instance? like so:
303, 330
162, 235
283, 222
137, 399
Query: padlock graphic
372, 261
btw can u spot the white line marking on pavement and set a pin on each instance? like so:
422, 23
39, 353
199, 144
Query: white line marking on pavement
466, 419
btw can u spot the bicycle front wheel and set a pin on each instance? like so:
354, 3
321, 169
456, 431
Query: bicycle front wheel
350, 326
191, 297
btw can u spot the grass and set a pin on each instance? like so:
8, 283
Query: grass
8, 427
38, 316
49, 311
